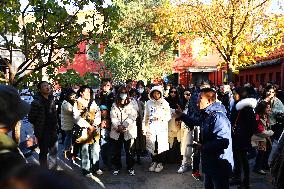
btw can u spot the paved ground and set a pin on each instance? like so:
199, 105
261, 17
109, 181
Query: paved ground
167, 179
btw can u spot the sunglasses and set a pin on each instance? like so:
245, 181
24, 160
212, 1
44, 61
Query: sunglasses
187, 94
173, 92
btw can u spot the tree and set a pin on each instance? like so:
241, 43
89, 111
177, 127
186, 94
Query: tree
133, 50
241, 31
44, 33
71, 77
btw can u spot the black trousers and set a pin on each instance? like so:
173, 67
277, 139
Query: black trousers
216, 182
47, 144
117, 146
195, 160
241, 164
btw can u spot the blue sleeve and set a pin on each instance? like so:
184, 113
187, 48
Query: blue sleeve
222, 133
188, 121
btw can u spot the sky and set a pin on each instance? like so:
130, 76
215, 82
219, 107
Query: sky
275, 5
90, 7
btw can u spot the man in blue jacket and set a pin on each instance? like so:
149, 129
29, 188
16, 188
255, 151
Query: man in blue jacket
216, 142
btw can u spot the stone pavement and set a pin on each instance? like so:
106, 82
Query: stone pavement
167, 179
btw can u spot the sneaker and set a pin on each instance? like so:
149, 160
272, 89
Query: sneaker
196, 175
115, 172
89, 175
159, 168
131, 172
182, 169
99, 172
153, 167
261, 172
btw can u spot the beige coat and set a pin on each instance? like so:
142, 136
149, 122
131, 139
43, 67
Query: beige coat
94, 109
125, 116
67, 121
155, 124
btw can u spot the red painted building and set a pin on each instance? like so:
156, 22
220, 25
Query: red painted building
270, 69
192, 69
83, 61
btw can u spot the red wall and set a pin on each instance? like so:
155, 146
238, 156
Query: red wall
249, 75
81, 63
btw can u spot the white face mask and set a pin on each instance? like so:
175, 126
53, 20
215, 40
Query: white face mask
75, 90
140, 90
123, 96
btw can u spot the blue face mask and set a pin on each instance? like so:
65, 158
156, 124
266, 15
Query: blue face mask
123, 96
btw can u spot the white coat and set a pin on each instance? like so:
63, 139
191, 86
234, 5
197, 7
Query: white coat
125, 116
155, 124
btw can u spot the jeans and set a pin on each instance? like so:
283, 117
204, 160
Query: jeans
105, 144
68, 140
116, 157
90, 154
259, 160
216, 182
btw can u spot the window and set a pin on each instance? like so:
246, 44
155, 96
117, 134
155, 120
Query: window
250, 79
241, 80
262, 78
177, 50
257, 78
237, 78
270, 77
278, 77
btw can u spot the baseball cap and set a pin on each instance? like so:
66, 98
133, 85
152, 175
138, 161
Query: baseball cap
12, 107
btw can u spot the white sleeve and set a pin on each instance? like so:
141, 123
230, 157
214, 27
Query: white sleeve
77, 117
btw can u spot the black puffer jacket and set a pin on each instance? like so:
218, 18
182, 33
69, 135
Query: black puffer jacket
43, 116
246, 124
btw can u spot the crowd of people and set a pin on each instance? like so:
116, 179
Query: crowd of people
218, 127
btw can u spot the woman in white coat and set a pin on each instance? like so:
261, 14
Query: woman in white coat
67, 121
157, 115
123, 116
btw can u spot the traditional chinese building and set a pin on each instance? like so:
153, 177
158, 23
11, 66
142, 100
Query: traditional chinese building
191, 68
270, 69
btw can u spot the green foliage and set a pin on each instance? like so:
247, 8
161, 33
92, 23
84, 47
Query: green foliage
45, 34
133, 49
71, 77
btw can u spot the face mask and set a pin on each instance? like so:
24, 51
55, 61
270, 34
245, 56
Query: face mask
123, 96
75, 90
141, 90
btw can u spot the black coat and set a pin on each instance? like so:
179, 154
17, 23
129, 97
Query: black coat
245, 124
43, 116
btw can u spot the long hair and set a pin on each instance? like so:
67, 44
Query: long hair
261, 107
